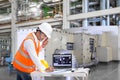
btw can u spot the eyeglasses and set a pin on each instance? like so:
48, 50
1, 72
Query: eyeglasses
46, 38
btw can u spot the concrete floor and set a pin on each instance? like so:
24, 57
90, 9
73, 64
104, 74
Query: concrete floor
4, 74
103, 71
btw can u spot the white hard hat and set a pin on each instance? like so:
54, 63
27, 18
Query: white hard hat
46, 29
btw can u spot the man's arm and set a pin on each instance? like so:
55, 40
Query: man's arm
30, 48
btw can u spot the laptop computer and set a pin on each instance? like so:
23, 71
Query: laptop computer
62, 61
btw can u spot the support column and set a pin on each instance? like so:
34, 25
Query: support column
66, 12
13, 27
85, 10
118, 5
108, 17
119, 42
102, 7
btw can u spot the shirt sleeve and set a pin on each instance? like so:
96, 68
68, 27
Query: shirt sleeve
41, 54
30, 48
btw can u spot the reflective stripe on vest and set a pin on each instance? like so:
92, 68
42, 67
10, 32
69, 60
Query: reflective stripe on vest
24, 66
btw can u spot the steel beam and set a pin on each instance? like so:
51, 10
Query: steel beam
95, 14
29, 23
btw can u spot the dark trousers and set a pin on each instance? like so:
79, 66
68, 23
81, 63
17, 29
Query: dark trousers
23, 76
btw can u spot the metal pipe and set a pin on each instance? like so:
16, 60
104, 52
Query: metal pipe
102, 7
85, 10
108, 17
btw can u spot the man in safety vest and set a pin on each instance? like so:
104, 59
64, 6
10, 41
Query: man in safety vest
30, 56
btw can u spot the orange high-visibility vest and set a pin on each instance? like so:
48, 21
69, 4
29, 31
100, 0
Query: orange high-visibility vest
22, 60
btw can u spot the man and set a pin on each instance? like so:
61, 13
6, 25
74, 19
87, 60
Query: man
29, 56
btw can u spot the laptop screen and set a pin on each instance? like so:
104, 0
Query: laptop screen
62, 60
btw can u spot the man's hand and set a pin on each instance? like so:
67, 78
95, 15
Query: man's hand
45, 42
50, 69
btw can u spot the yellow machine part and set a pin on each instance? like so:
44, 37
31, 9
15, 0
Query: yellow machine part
45, 63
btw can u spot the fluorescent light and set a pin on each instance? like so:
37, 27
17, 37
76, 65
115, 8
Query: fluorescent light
55, 0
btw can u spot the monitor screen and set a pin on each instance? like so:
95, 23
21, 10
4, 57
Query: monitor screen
62, 60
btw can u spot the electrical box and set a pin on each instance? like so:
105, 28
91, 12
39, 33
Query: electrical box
5, 47
84, 46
